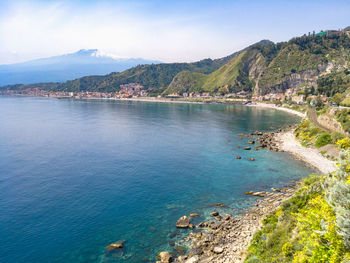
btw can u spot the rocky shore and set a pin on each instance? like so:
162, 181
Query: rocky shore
225, 238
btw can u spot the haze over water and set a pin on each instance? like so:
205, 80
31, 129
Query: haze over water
77, 175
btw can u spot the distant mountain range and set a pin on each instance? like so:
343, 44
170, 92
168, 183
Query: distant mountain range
67, 67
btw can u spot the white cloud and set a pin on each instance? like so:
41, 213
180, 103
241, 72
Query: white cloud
40, 30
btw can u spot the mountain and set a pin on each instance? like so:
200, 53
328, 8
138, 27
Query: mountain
66, 67
321, 62
155, 77
316, 62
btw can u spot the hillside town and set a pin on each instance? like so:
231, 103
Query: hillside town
135, 90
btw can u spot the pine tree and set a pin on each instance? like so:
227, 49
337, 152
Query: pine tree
338, 196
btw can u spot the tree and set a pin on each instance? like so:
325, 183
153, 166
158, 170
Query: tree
224, 90
338, 98
312, 90
338, 196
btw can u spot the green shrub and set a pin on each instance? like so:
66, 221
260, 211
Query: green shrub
336, 136
338, 193
287, 249
323, 140
343, 116
344, 143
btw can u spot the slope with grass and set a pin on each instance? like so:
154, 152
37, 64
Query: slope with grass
306, 227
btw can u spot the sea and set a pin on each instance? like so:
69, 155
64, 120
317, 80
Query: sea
78, 175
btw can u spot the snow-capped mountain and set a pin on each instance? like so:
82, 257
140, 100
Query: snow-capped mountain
65, 67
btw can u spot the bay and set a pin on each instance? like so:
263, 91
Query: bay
77, 175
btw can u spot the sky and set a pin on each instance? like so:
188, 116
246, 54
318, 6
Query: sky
168, 31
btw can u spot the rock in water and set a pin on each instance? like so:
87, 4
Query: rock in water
193, 215
183, 222
247, 148
165, 257
114, 246
215, 213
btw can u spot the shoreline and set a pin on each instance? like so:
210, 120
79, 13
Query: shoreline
272, 106
226, 238
167, 100
286, 141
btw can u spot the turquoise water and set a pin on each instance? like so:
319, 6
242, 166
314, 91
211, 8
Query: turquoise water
77, 175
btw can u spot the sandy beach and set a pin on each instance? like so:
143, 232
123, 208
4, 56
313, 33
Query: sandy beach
287, 142
272, 106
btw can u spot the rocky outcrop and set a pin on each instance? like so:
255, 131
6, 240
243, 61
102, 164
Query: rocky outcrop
227, 238
114, 246
165, 257
183, 222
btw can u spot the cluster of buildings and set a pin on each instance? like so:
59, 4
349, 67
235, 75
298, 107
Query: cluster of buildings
327, 33
292, 94
134, 90
126, 91
206, 95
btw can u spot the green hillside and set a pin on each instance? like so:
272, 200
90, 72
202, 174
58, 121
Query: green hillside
319, 61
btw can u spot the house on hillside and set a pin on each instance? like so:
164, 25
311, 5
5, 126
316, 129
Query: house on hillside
299, 99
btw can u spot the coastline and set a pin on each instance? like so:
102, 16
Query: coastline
226, 238
287, 142
272, 106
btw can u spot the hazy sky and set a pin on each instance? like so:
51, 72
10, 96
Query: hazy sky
157, 29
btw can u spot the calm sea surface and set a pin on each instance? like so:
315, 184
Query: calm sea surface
77, 175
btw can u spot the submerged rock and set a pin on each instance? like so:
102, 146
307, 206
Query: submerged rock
247, 148
183, 222
215, 213
238, 157
193, 215
180, 250
114, 246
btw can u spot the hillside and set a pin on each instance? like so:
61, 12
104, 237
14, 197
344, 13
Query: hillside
155, 76
301, 62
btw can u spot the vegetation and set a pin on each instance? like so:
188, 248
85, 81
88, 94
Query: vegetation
312, 226
344, 143
323, 139
334, 84
42, 86
338, 193
308, 134
343, 116
311, 135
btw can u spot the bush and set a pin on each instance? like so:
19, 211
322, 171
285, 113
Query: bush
323, 140
338, 193
344, 143
336, 136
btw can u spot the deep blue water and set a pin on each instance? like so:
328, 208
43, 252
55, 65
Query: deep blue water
76, 175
